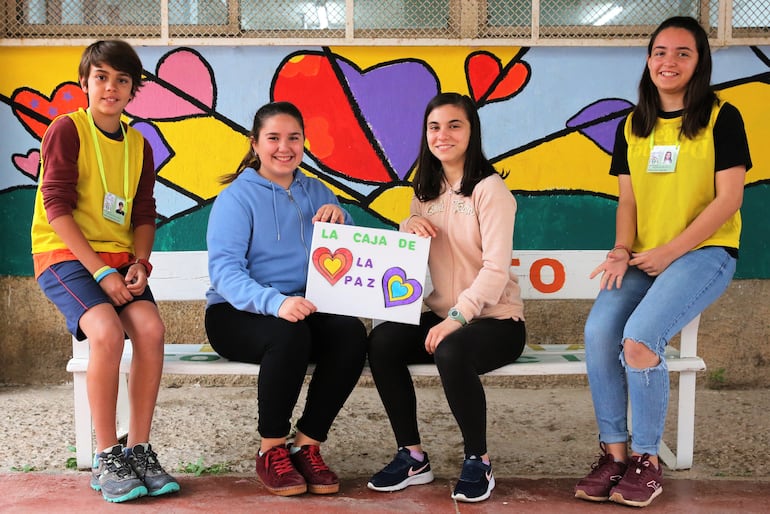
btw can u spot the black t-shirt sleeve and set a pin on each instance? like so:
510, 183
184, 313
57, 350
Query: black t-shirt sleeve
731, 147
619, 164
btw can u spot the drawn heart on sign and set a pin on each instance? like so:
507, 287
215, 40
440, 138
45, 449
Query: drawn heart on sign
36, 111
332, 266
488, 81
28, 164
398, 290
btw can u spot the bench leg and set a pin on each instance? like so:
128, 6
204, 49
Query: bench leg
685, 426
123, 408
84, 450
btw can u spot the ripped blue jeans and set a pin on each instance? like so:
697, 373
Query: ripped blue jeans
648, 310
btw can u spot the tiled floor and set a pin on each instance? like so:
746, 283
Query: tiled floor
232, 494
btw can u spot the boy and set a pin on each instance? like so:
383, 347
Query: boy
91, 260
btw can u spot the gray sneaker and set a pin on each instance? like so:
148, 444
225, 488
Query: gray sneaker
114, 477
145, 464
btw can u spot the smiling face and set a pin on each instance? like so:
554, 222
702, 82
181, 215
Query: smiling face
448, 133
672, 63
279, 146
108, 90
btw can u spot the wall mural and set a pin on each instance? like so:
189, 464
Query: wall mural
548, 118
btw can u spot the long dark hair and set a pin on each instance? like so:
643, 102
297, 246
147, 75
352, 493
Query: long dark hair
429, 178
699, 98
251, 159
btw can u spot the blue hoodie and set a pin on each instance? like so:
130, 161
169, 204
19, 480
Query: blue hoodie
259, 236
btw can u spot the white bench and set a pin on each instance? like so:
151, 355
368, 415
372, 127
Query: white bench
183, 276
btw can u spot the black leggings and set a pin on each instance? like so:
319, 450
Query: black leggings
479, 347
336, 344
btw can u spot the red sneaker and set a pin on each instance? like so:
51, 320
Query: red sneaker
605, 474
320, 479
276, 472
641, 484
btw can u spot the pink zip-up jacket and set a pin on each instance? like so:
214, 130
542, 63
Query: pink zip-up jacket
470, 257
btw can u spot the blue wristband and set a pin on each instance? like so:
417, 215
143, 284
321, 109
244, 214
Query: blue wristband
104, 273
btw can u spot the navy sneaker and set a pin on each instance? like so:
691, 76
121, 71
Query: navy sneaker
114, 478
476, 481
402, 472
145, 464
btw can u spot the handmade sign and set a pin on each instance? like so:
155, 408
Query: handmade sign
367, 272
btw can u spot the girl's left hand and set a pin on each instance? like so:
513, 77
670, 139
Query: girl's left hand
331, 213
653, 262
438, 333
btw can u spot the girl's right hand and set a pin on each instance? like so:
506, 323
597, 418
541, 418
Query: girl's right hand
420, 226
613, 269
296, 308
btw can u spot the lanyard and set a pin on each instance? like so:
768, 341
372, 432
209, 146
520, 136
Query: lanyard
101, 162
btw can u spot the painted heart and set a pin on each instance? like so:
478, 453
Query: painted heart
36, 111
182, 86
28, 164
489, 81
332, 266
362, 124
161, 152
398, 290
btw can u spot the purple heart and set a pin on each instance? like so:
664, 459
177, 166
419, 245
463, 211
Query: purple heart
160, 149
397, 290
599, 121
392, 99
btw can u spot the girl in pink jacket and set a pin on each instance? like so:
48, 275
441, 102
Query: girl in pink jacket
475, 321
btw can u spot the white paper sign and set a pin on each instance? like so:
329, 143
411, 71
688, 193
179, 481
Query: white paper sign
367, 272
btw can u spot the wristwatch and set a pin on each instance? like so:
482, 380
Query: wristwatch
146, 264
457, 316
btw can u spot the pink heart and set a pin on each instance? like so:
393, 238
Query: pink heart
28, 164
183, 86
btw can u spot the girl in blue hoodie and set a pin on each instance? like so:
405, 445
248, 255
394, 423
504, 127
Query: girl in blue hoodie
259, 235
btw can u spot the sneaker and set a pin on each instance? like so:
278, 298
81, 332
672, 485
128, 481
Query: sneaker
641, 483
113, 476
402, 472
277, 473
605, 474
320, 479
144, 461
476, 481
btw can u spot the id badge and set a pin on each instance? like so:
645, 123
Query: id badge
663, 159
114, 208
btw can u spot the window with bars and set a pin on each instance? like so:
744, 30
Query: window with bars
377, 21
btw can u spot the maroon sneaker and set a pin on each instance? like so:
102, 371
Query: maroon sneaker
641, 484
320, 479
605, 474
276, 472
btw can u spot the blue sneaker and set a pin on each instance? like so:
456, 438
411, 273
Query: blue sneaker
476, 481
114, 478
145, 464
402, 472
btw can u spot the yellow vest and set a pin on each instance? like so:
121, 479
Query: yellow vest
103, 235
666, 203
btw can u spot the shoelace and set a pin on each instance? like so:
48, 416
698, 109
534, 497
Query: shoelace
278, 458
638, 469
117, 465
148, 460
598, 468
316, 462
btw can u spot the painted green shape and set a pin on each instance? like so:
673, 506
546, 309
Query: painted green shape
186, 233
755, 233
16, 208
571, 357
564, 222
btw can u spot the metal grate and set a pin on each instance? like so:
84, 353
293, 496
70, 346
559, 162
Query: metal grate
374, 21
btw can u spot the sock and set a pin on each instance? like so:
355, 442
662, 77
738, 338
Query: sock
417, 455
294, 449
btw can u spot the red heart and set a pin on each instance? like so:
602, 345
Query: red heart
36, 111
488, 81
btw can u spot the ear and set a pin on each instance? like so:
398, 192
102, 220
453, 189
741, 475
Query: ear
84, 84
